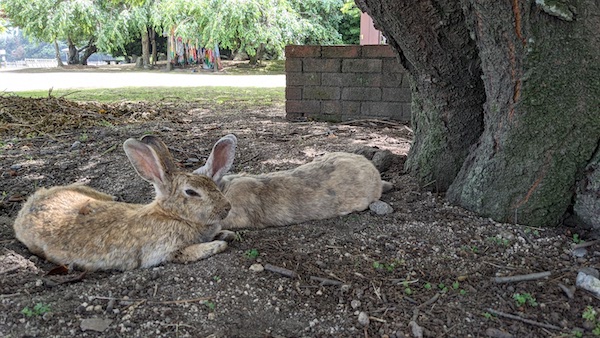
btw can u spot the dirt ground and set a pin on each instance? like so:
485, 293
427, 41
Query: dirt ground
426, 269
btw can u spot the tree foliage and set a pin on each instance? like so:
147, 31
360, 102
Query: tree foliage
249, 26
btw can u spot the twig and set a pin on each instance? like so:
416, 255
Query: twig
377, 319
10, 295
282, 271
585, 244
351, 122
114, 146
430, 301
524, 320
325, 281
520, 278
179, 301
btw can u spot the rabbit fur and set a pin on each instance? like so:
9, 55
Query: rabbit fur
335, 184
78, 226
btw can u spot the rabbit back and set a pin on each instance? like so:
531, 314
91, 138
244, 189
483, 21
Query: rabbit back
335, 184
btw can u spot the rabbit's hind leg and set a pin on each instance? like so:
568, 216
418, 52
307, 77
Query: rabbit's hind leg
196, 252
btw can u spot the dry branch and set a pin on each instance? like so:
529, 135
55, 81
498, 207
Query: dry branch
524, 320
282, 271
325, 281
520, 278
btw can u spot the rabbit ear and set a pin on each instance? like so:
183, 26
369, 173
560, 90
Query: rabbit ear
164, 155
221, 158
148, 164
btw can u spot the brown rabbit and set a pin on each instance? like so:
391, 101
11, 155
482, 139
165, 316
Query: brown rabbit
335, 184
76, 225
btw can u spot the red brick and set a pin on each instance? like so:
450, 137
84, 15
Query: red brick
293, 65
392, 79
293, 93
322, 65
321, 93
393, 110
352, 51
302, 51
396, 95
378, 51
361, 94
331, 107
351, 79
351, 108
293, 106
361, 66
302, 79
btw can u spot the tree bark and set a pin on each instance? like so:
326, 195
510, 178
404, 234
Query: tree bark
88, 50
73, 54
145, 49
154, 52
59, 62
534, 64
541, 73
434, 45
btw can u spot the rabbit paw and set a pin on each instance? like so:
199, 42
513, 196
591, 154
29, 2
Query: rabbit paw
199, 251
226, 235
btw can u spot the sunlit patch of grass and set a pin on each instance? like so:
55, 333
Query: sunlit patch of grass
246, 96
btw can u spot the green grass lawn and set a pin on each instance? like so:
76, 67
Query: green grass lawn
209, 95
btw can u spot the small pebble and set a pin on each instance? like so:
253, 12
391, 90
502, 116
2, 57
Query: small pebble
257, 268
355, 303
381, 208
580, 252
75, 145
95, 324
363, 319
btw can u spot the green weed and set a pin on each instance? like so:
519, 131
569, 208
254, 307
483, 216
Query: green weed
524, 298
252, 253
39, 309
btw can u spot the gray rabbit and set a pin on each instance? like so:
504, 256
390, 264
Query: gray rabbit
335, 184
77, 225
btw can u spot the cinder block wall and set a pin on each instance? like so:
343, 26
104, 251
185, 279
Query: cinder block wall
340, 83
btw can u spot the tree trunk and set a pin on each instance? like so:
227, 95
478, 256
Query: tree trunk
59, 62
88, 51
540, 124
255, 59
73, 54
434, 45
145, 49
153, 44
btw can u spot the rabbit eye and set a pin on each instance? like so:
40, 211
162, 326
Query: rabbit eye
191, 192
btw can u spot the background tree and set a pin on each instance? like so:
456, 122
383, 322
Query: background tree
320, 20
53, 20
506, 99
349, 26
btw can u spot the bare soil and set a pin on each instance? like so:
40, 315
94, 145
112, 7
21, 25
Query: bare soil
426, 269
